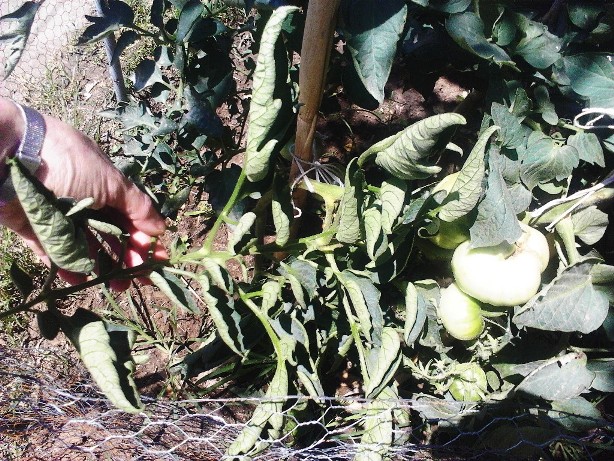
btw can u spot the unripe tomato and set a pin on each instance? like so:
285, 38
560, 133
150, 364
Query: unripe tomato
460, 314
450, 235
505, 274
470, 384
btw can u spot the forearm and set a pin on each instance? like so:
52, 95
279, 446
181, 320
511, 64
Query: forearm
11, 128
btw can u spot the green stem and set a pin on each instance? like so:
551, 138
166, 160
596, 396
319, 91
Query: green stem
67, 291
208, 244
264, 319
354, 326
565, 230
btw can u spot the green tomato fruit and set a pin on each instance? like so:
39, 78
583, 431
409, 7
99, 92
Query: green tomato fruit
460, 314
470, 384
505, 274
450, 235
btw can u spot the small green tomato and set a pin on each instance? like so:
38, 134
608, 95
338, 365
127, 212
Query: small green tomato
505, 274
460, 314
469, 384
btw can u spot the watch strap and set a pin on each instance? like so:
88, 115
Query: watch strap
28, 152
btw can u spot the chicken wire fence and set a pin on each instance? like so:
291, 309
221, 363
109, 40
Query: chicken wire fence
49, 47
50, 410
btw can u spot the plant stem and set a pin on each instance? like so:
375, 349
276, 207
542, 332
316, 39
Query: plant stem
207, 247
565, 230
67, 291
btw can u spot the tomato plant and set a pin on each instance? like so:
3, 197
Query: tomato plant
332, 262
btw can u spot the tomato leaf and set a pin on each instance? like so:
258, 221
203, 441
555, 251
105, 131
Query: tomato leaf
604, 374
589, 147
383, 362
467, 189
576, 414
116, 15
366, 23
264, 106
569, 303
467, 29
558, 379
590, 224
105, 352
403, 154
65, 245
543, 160
350, 229
591, 75
16, 36
496, 221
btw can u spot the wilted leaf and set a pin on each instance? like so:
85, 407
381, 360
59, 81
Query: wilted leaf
264, 107
569, 303
282, 211
65, 245
241, 234
350, 229
467, 189
269, 411
377, 438
403, 154
375, 237
392, 196
467, 30
384, 362
558, 379
415, 314
226, 318
364, 297
105, 352
496, 221
175, 289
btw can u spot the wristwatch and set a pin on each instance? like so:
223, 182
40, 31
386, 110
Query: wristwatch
28, 152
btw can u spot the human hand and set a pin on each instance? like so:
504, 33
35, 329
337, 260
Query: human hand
73, 166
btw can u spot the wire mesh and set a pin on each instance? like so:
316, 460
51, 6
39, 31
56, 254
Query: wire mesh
54, 32
50, 410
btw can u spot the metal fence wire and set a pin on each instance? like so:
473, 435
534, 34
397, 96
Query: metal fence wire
49, 410
53, 33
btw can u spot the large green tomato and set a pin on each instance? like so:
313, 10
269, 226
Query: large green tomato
470, 384
502, 275
460, 314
